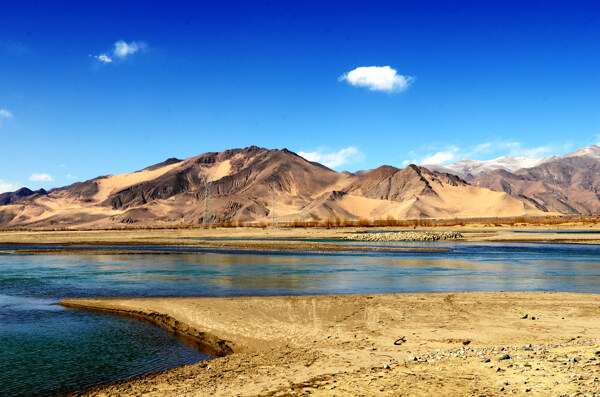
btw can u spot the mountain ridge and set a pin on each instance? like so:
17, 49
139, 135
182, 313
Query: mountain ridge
243, 183
470, 169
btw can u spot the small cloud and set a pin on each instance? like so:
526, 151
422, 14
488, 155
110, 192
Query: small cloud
121, 51
41, 178
7, 186
516, 149
377, 78
103, 58
485, 147
336, 159
442, 157
485, 150
70, 177
5, 114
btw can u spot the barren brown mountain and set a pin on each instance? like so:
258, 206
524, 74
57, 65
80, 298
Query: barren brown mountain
11, 197
243, 184
569, 185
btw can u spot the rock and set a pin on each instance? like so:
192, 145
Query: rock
524, 317
502, 383
486, 360
405, 236
504, 357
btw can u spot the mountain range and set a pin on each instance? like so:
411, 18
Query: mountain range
567, 184
470, 169
249, 184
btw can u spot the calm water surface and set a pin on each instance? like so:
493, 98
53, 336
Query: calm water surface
46, 349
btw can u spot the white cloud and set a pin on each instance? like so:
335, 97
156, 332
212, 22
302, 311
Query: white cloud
336, 159
377, 78
442, 157
484, 151
103, 58
121, 50
5, 114
71, 177
7, 186
41, 178
516, 149
485, 147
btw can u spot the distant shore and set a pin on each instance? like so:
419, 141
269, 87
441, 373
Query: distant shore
469, 343
268, 239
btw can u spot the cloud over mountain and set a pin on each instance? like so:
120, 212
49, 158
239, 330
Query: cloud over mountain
334, 159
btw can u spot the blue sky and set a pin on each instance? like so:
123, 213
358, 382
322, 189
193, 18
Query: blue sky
440, 81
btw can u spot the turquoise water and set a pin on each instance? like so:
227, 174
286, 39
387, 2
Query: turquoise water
46, 349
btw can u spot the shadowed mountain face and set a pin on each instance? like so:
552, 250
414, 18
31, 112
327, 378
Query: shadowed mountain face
389, 183
568, 185
11, 197
245, 183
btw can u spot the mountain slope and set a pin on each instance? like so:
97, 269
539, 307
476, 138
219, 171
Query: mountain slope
470, 169
11, 197
174, 191
416, 192
567, 184
244, 183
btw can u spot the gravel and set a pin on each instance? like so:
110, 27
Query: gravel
405, 236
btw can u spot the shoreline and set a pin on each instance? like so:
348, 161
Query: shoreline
248, 240
202, 341
366, 344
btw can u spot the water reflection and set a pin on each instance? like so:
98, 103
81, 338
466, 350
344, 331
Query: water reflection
473, 266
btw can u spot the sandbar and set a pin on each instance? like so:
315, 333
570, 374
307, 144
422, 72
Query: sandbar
468, 343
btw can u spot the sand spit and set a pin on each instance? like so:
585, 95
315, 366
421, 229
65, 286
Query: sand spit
395, 344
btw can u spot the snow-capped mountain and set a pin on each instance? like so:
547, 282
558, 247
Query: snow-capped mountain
470, 169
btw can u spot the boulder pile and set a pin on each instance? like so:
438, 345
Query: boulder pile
405, 236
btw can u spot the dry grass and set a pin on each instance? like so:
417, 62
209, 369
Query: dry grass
337, 222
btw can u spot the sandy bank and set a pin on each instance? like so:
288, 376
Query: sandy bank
411, 344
